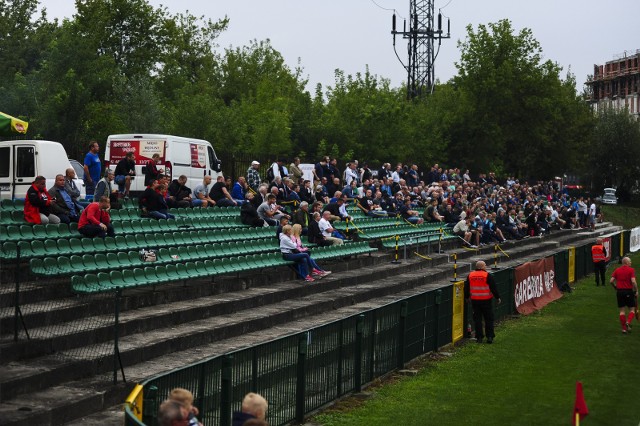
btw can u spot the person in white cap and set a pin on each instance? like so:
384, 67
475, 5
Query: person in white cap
253, 176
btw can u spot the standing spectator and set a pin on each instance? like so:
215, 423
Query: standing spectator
172, 413
125, 171
481, 288
623, 280
351, 174
201, 192
275, 170
599, 258
185, 398
37, 205
318, 170
592, 216
582, 212
253, 176
295, 172
95, 220
221, 195
254, 406
412, 176
92, 168
238, 190
63, 205
180, 194
151, 171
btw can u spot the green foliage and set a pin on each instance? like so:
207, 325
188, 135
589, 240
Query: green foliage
127, 66
615, 150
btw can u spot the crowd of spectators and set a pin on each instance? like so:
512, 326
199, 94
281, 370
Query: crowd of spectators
479, 209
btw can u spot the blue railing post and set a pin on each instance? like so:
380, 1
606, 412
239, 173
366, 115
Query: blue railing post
226, 387
301, 376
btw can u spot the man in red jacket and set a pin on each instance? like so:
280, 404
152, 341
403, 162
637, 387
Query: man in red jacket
95, 220
37, 205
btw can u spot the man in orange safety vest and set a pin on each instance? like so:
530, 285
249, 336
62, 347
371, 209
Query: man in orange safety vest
599, 257
480, 288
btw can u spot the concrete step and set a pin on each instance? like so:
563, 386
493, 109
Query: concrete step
112, 415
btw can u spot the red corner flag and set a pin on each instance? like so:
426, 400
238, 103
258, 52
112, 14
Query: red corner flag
580, 409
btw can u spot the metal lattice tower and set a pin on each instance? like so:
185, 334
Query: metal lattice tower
421, 37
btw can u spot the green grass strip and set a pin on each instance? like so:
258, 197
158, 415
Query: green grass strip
527, 377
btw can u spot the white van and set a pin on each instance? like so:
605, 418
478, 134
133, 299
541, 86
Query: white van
194, 158
22, 160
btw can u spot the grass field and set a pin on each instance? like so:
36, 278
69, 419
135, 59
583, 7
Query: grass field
622, 215
527, 377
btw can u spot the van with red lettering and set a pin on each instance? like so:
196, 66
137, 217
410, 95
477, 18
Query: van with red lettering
194, 158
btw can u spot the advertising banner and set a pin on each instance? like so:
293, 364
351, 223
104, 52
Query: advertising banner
535, 285
606, 242
198, 156
634, 239
457, 325
142, 149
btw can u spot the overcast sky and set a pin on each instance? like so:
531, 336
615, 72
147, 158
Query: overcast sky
351, 34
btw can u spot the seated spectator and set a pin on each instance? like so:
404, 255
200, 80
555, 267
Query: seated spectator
172, 413
104, 189
63, 205
270, 212
238, 190
450, 216
71, 187
314, 234
306, 192
328, 232
506, 227
249, 213
411, 216
185, 398
180, 194
154, 204
338, 209
125, 171
152, 172
37, 205
289, 251
301, 217
367, 205
254, 406
431, 213
463, 230
284, 221
296, 232
220, 194
95, 220
201, 192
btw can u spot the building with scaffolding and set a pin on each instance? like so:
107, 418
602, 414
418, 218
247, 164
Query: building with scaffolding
616, 83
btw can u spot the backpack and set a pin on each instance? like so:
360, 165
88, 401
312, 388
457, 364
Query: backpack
148, 255
270, 176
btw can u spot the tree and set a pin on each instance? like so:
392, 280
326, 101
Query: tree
513, 102
615, 150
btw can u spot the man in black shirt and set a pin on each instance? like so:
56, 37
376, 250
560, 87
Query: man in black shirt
125, 171
220, 194
179, 193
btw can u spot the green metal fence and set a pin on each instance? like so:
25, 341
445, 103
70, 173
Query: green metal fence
302, 372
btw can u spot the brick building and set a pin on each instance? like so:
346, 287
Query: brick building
617, 83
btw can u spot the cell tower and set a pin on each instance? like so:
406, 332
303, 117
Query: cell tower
421, 35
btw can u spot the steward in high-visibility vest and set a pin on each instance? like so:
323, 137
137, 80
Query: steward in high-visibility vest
480, 288
599, 257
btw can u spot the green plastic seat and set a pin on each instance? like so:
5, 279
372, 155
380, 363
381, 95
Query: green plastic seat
87, 245
140, 277
150, 274
26, 232
134, 259
172, 273
76, 263
182, 270
37, 266
110, 244
201, 269
89, 262
123, 259
78, 284
101, 262
117, 279
129, 278
99, 245
121, 242
37, 249
132, 243
64, 265
104, 281
17, 216
161, 273
73, 229
39, 231
91, 283
51, 248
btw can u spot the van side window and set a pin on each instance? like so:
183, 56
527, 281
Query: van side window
214, 163
25, 162
5, 157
